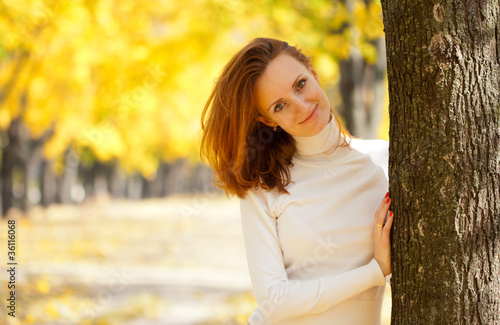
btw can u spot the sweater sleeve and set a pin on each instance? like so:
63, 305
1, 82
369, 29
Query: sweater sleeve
279, 298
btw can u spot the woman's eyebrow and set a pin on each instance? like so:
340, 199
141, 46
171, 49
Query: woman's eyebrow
274, 103
293, 87
296, 80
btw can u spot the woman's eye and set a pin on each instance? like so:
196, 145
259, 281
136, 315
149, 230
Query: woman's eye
278, 107
301, 84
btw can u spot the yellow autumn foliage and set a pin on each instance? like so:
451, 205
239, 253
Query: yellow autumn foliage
126, 80
43, 286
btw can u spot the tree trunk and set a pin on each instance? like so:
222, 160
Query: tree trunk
6, 176
32, 173
153, 188
443, 63
87, 174
48, 183
168, 175
361, 88
69, 177
202, 179
118, 184
374, 92
101, 179
134, 187
351, 91
176, 177
10, 158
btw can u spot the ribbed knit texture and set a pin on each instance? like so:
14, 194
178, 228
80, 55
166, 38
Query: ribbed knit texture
310, 253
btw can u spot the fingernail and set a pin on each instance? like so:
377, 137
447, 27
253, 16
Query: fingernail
388, 200
390, 214
387, 194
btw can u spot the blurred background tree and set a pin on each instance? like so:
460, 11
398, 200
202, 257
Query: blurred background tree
104, 96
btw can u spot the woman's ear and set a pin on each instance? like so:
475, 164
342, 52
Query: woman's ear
267, 121
314, 73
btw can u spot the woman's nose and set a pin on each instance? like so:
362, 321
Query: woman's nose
301, 104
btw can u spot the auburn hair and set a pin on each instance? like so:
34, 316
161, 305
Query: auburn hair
243, 152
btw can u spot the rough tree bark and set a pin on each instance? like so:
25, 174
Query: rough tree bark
444, 70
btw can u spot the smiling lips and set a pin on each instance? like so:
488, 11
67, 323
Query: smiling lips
311, 116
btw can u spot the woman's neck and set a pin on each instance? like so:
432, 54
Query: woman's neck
324, 145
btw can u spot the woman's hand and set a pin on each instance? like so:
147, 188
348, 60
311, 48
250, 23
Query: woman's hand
381, 236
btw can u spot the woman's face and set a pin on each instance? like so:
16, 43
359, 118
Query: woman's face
289, 95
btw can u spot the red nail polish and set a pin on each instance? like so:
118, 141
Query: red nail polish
387, 194
390, 214
388, 200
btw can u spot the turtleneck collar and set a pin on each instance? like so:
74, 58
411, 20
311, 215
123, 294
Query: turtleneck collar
323, 145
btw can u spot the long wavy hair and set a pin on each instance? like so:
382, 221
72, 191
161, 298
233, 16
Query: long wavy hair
243, 152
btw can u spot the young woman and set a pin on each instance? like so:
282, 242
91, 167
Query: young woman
315, 219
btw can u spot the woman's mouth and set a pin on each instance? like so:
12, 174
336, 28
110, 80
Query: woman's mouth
311, 116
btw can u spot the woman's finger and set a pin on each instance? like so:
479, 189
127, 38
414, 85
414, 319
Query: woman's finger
384, 200
388, 224
382, 214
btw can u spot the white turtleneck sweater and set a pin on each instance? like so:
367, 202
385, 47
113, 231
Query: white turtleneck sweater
310, 253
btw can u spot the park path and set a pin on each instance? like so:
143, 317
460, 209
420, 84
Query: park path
179, 260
